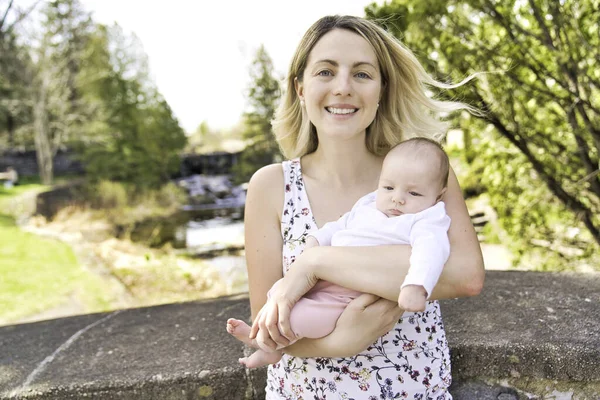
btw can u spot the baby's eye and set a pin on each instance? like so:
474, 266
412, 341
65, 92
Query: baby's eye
415, 194
363, 75
388, 188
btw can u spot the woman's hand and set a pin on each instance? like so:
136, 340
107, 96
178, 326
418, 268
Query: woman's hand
365, 319
268, 327
271, 327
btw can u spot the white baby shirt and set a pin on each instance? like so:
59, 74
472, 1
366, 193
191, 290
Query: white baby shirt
425, 231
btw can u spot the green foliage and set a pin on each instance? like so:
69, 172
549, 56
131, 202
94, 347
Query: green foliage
15, 80
133, 136
106, 195
126, 203
87, 87
536, 147
263, 96
61, 58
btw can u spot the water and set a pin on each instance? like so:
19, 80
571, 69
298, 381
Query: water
221, 235
216, 230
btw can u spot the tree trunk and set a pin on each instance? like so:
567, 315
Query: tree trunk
468, 146
41, 135
10, 127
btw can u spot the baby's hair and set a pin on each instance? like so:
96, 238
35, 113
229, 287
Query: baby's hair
417, 144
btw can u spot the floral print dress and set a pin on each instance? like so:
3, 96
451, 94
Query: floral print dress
410, 362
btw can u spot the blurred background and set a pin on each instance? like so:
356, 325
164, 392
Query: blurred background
129, 130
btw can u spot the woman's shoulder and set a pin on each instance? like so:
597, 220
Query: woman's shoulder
267, 184
267, 177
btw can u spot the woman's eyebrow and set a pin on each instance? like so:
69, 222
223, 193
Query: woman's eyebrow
336, 64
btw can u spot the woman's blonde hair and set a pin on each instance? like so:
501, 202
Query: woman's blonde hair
404, 111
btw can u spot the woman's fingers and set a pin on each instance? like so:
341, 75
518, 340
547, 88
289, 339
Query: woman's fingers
367, 317
265, 328
264, 341
387, 311
272, 325
284, 323
255, 325
363, 301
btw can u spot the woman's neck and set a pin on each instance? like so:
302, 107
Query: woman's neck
342, 164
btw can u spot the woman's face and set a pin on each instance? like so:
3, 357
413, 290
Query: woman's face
341, 85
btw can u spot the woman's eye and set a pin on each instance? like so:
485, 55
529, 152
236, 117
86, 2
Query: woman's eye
324, 73
363, 75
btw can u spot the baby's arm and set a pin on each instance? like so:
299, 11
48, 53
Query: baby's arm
412, 298
323, 236
430, 251
311, 241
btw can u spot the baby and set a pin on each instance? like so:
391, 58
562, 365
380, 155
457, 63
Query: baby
405, 209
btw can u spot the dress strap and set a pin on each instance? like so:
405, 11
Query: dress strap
292, 179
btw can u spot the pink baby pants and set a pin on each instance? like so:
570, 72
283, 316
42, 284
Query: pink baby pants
316, 313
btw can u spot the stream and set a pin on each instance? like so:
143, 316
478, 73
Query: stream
215, 231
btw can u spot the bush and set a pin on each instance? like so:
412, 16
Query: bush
107, 195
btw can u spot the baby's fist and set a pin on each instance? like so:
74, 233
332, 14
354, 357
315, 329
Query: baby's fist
412, 298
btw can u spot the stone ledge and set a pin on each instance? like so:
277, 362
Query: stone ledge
524, 327
534, 324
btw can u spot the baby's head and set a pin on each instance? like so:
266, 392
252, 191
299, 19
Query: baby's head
414, 177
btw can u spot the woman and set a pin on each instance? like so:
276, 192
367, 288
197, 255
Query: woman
353, 92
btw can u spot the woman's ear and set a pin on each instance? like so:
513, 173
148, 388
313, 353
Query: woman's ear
382, 90
299, 88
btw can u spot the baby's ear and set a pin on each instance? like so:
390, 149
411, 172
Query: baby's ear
441, 194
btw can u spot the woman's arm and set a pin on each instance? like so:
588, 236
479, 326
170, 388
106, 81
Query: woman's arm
463, 275
263, 243
262, 231
381, 269
364, 320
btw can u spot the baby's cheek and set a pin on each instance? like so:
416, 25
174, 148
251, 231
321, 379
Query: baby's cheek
379, 203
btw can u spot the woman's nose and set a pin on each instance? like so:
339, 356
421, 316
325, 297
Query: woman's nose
343, 85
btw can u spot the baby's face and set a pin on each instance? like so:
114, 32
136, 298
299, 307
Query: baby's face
407, 185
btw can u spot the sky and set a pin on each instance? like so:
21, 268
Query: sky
200, 51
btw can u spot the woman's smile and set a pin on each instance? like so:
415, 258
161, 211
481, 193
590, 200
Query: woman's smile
341, 109
341, 85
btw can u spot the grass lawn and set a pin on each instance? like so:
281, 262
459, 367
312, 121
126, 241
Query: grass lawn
36, 273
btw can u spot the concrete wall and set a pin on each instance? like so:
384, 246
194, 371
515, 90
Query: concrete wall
527, 336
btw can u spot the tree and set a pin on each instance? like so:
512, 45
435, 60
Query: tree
133, 136
86, 86
537, 145
57, 102
15, 69
263, 96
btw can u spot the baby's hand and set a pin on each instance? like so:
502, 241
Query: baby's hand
311, 242
412, 298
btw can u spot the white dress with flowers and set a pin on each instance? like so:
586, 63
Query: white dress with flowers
410, 362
